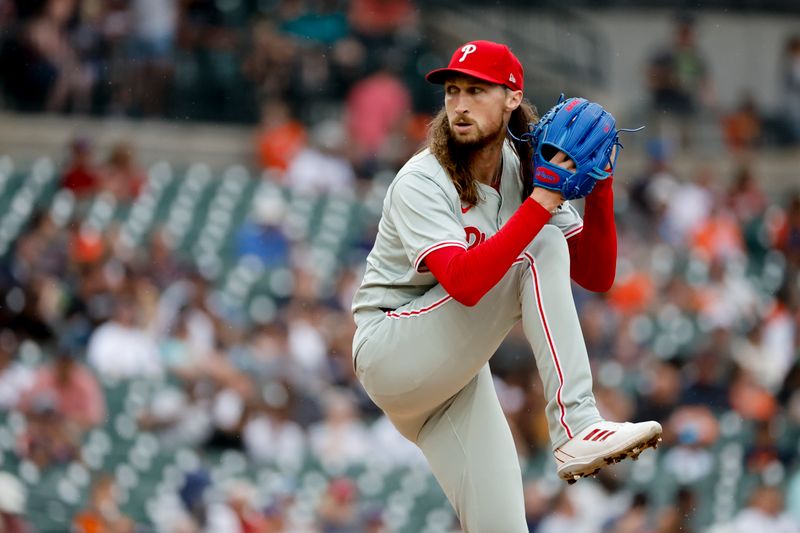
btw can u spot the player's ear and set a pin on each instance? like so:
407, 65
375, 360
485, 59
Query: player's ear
513, 99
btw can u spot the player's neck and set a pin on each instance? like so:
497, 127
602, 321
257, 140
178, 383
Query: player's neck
487, 163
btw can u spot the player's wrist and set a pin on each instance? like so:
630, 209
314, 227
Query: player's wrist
548, 199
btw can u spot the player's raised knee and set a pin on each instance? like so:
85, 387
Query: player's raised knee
550, 245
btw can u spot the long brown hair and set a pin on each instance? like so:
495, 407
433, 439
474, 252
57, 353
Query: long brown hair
456, 160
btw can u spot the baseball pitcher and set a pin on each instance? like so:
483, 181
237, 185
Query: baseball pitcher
477, 233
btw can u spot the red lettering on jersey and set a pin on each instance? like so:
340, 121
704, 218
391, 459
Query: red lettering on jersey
545, 175
474, 237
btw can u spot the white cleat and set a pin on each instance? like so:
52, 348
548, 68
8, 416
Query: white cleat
602, 444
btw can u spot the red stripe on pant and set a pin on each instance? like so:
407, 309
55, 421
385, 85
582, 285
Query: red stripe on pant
553, 351
417, 312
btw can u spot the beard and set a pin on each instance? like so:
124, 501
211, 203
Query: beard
463, 148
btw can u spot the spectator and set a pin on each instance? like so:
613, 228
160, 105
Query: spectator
121, 348
662, 389
726, 299
764, 453
634, 520
177, 416
262, 235
750, 399
765, 512
232, 392
743, 127
788, 232
320, 22
323, 167
279, 138
377, 108
718, 236
306, 342
563, 517
379, 18
187, 299
103, 514
767, 352
242, 502
341, 438
192, 496
80, 177
678, 518
270, 65
15, 377
745, 196
791, 85
338, 510
121, 176
162, 266
689, 206
154, 25
68, 389
270, 435
64, 402
178, 353
678, 79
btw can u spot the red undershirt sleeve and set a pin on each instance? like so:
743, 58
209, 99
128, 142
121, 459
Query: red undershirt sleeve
467, 275
593, 251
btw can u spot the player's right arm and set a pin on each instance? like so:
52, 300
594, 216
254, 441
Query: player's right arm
423, 216
467, 275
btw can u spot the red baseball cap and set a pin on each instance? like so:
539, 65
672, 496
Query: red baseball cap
485, 60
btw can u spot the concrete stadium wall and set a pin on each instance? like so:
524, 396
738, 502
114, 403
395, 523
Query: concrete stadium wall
26, 137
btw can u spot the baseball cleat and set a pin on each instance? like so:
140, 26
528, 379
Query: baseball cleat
604, 443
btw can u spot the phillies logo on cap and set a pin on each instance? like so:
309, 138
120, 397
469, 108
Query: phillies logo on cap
467, 49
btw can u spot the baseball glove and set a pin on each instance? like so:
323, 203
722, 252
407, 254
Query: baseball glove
585, 133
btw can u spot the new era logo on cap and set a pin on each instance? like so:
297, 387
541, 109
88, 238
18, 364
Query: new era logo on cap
485, 60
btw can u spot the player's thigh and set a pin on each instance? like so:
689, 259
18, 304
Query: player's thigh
423, 353
471, 452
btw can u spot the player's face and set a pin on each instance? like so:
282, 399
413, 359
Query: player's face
477, 111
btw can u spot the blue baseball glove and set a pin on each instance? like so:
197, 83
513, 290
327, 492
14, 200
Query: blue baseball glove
585, 133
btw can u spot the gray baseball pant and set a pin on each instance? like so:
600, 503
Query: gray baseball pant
425, 365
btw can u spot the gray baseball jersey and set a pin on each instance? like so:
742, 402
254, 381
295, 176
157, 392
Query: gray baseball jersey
422, 212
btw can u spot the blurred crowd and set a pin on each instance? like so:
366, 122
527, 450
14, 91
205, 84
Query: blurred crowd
337, 83
206, 59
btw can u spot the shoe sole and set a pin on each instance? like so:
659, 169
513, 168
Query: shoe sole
629, 450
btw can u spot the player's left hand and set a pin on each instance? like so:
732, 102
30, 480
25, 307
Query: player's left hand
564, 161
